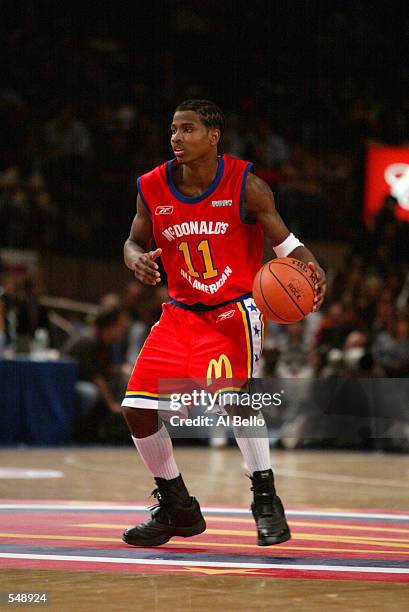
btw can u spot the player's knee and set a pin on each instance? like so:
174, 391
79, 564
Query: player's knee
141, 422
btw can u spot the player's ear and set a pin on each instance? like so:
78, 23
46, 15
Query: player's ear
214, 136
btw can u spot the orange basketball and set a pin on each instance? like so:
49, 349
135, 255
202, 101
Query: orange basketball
283, 290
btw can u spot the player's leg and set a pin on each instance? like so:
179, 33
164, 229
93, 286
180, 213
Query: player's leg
177, 512
239, 337
234, 343
267, 508
152, 441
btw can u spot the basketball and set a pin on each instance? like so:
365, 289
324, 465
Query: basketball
283, 290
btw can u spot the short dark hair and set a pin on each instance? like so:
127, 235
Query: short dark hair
209, 113
107, 317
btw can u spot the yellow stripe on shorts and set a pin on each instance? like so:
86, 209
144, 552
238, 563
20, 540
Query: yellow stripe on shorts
153, 395
248, 332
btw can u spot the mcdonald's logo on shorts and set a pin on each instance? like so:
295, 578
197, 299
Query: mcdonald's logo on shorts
215, 369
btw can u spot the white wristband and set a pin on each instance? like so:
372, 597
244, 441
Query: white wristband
287, 246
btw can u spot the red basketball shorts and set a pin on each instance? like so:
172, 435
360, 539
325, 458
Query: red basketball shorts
222, 343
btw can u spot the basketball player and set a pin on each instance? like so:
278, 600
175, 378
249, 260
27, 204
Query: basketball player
207, 215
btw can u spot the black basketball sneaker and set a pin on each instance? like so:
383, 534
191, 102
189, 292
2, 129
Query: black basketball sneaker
177, 514
268, 510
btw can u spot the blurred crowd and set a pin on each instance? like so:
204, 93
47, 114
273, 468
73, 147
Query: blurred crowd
83, 111
105, 344
85, 107
362, 331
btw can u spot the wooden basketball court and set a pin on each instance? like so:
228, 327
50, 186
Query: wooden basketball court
63, 511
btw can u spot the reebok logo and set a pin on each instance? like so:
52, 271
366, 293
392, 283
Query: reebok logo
219, 203
225, 315
164, 210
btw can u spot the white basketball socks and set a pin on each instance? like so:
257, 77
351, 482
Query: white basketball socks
255, 450
156, 451
157, 454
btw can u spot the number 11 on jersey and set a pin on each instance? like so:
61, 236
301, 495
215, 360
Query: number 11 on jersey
210, 271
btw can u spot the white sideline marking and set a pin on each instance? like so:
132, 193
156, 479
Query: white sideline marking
132, 560
20, 473
211, 510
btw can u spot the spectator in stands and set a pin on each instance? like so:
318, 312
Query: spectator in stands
14, 210
31, 315
391, 347
8, 305
3, 327
135, 304
273, 147
101, 382
387, 234
66, 136
334, 327
293, 353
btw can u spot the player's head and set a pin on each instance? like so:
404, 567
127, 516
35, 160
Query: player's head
197, 129
111, 324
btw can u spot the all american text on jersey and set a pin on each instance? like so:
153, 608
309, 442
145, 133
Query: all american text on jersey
213, 287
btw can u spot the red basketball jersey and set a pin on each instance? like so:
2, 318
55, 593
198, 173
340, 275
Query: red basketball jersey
210, 251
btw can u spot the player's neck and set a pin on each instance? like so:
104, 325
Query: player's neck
200, 173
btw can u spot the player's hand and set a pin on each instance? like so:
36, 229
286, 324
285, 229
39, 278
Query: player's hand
320, 285
146, 269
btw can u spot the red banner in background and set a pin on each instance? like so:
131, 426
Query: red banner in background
387, 173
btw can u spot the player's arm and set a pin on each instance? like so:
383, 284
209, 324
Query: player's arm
259, 204
137, 256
